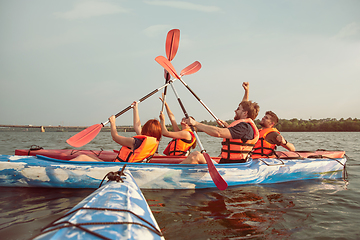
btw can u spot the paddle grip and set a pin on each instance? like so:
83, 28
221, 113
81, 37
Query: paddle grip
123, 111
150, 94
141, 99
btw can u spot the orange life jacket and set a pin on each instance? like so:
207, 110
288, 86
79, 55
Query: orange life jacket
144, 152
235, 149
179, 147
263, 148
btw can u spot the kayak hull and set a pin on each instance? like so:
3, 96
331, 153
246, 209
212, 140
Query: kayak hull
117, 210
39, 171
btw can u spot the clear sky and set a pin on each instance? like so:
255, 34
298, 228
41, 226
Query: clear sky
76, 62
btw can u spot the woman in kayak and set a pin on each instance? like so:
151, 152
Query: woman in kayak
139, 148
183, 139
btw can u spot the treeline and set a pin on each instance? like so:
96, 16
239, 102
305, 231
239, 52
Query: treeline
311, 125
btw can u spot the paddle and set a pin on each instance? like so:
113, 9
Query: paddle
88, 134
162, 61
171, 47
215, 175
172, 43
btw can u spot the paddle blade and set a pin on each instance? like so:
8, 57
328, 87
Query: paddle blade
215, 175
167, 65
85, 136
192, 68
172, 43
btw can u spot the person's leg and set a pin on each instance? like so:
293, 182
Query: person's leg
194, 158
86, 158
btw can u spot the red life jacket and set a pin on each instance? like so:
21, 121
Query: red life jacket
235, 149
264, 149
144, 152
179, 147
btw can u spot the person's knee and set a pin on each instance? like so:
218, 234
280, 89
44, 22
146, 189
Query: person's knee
194, 158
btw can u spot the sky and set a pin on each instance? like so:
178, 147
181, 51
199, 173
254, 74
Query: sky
77, 62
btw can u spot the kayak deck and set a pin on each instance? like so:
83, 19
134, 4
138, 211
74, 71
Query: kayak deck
117, 210
109, 156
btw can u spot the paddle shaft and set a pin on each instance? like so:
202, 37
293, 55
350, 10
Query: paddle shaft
163, 103
192, 68
187, 116
214, 174
140, 100
194, 94
167, 79
85, 136
166, 64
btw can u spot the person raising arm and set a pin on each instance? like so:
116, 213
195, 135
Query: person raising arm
269, 137
139, 148
183, 140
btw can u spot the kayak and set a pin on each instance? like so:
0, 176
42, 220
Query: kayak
117, 210
163, 172
66, 154
109, 156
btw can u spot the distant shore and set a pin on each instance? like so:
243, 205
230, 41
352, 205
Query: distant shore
31, 128
284, 125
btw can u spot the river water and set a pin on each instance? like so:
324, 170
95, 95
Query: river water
297, 210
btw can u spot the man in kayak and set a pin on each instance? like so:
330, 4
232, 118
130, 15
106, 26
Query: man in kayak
269, 136
239, 137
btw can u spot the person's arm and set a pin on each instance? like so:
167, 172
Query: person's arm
210, 130
171, 116
178, 135
123, 141
285, 144
136, 119
246, 93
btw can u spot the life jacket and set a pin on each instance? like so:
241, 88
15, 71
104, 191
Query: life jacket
263, 148
180, 147
236, 149
144, 152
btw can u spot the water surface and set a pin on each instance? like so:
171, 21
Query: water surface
327, 209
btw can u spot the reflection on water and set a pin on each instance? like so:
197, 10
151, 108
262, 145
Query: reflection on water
246, 212
24, 211
276, 211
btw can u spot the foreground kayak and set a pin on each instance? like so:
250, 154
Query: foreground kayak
165, 172
117, 210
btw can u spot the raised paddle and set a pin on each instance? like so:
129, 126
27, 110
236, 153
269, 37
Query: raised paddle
171, 47
172, 43
162, 61
193, 68
88, 134
215, 175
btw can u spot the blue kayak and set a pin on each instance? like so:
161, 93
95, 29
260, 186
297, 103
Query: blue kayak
39, 171
117, 210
